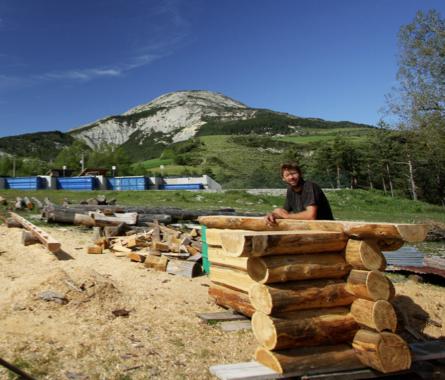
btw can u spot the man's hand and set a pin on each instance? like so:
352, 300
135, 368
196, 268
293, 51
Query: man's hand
278, 213
309, 214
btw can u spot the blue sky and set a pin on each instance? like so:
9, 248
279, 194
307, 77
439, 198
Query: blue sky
67, 63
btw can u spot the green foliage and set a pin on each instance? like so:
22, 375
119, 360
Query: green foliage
106, 155
71, 157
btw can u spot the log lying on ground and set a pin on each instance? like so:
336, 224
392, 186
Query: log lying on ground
365, 254
38, 203
310, 359
371, 285
28, 238
218, 256
3, 201
101, 220
385, 352
50, 243
300, 295
272, 269
378, 315
19, 204
267, 243
231, 299
185, 268
231, 278
410, 233
48, 201
156, 262
304, 328
29, 204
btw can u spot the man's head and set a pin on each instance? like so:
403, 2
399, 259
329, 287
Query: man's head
291, 174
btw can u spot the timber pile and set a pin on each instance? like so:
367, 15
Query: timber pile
311, 288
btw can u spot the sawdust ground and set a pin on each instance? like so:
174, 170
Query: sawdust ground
161, 337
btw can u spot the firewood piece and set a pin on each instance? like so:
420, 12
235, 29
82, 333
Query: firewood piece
19, 204
160, 246
197, 246
176, 255
48, 201
184, 268
300, 295
29, 204
272, 269
156, 236
194, 233
385, 352
3, 201
309, 359
410, 233
136, 257
28, 238
232, 278
378, 315
219, 257
102, 199
170, 231
104, 242
12, 223
95, 249
371, 285
112, 201
92, 201
231, 299
118, 229
83, 220
118, 247
365, 254
304, 328
97, 233
107, 212
196, 258
266, 243
50, 243
156, 262
191, 250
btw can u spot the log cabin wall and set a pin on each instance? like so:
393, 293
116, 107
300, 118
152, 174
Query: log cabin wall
311, 287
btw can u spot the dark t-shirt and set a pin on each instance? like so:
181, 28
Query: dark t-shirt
310, 194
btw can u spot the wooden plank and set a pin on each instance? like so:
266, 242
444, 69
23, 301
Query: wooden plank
222, 316
255, 371
235, 326
50, 243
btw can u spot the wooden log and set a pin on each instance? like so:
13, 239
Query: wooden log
300, 295
95, 249
272, 269
185, 268
144, 219
92, 201
156, 262
161, 246
378, 315
218, 256
114, 231
410, 233
48, 201
83, 220
231, 278
28, 238
102, 199
3, 201
37, 202
12, 223
133, 256
371, 285
304, 328
112, 201
365, 254
101, 220
309, 359
231, 299
385, 352
197, 246
98, 232
434, 262
212, 237
266, 243
50, 243
19, 204
29, 204
104, 242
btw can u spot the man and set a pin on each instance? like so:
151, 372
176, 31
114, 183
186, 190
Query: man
304, 198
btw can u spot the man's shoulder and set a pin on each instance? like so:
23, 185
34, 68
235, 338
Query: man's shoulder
310, 184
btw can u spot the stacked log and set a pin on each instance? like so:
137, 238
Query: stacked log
313, 287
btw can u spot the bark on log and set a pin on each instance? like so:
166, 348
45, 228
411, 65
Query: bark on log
371, 285
231, 299
144, 219
304, 328
365, 254
378, 315
185, 268
92, 202
111, 202
101, 220
83, 220
29, 204
266, 243
385, 352
37, 202
19, 204
300, 295
231, 278
410, 233
3, 201
156, 262
48, 201
218, 256
95, 249
272, 269
310, 359
28, 238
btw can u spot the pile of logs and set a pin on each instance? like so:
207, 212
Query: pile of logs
311, 288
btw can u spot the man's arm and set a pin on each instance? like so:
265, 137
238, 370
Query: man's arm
309, 214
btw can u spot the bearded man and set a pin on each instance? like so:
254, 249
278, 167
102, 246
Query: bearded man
304, 198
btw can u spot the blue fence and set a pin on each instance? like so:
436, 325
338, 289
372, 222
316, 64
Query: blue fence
77, 183
25, 183
190, 186
128, 183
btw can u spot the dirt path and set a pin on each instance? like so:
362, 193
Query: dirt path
161, 338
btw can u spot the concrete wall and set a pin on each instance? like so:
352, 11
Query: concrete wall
209, 183
103, 184
2, 182
51, 182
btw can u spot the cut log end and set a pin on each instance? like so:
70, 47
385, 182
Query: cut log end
260, 298
413, 233
233, 244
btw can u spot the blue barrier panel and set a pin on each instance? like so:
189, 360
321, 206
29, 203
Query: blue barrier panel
25, 183
128, 183
77, 183
185, 186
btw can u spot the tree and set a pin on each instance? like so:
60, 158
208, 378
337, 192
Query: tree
106, 155
71, 156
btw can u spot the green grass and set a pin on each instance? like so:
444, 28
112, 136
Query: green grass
155, 163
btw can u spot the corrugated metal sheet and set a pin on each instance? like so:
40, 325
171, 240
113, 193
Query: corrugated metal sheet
128, 183
77, 183
25, 183
185, 186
